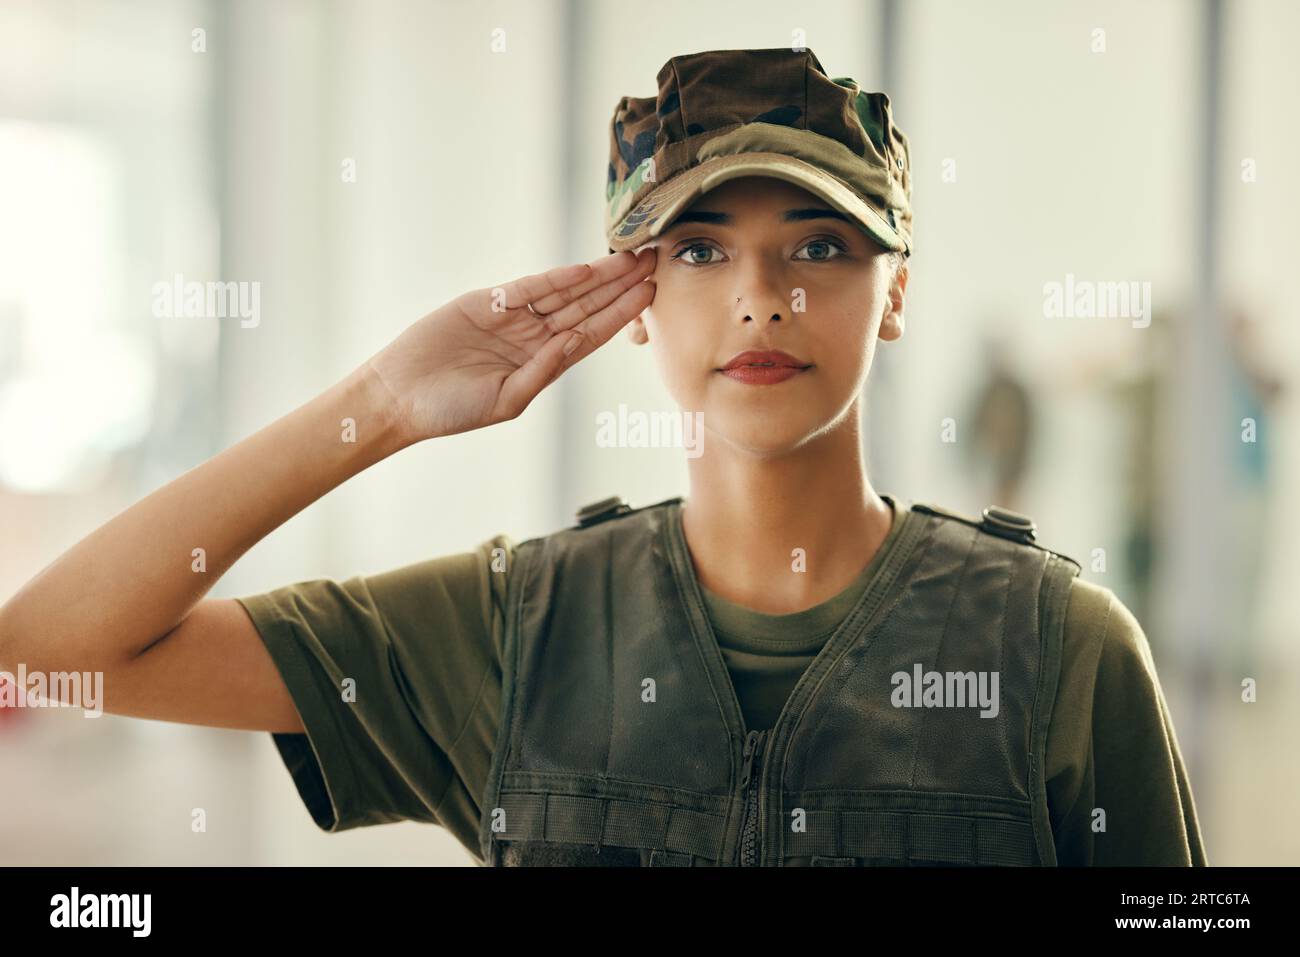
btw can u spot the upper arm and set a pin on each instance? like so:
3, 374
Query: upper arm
382, 690
1113, 756
395, 680
212, 669
1138, 760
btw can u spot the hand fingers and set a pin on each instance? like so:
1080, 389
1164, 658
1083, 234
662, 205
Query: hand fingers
590, 303
520, 292
601, 327
602, 271
546, 365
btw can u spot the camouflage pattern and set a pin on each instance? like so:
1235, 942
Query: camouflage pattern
775, 112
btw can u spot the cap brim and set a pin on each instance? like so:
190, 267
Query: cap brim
658, 209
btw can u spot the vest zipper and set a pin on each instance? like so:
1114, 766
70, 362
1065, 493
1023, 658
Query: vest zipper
749, 783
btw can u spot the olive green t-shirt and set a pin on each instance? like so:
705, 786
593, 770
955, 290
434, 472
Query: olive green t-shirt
412, 737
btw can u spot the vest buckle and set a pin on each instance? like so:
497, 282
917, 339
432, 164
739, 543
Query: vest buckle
1008, 524
600, 511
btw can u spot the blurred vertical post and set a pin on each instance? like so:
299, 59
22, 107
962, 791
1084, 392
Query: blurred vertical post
572, 430
1195, 528
880, 388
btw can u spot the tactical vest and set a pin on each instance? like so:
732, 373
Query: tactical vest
622, 741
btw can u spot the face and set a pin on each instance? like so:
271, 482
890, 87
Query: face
761, 264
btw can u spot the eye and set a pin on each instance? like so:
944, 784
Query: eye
822, 247
685, 251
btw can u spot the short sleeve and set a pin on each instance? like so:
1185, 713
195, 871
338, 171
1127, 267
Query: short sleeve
389, 673
1112, 746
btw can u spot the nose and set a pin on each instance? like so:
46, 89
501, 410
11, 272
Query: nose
760, 301
749, 317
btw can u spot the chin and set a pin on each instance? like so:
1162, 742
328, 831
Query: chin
763, 434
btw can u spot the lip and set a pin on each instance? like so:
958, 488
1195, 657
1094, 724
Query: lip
763, 367
766, 357
762, 375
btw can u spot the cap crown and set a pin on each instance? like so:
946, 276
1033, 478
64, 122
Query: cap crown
703, 97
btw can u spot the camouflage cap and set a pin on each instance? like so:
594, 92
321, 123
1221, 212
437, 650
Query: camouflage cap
728, 113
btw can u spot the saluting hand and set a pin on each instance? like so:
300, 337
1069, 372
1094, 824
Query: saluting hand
483, 357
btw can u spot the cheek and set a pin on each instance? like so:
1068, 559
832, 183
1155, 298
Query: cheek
680, 318
681, 353
842, 340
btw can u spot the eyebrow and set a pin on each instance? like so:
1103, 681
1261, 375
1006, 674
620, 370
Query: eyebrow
726, 219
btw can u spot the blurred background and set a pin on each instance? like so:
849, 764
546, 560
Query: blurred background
1101, 141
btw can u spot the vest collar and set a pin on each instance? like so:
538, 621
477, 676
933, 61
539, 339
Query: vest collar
897, 548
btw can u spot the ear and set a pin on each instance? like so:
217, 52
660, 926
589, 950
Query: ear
891, 324
636, 331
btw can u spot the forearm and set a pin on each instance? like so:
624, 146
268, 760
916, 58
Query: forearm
132, 580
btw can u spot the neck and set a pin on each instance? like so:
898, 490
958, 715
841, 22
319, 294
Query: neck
746, 515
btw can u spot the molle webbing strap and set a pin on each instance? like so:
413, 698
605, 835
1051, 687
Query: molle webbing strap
578, 819
909, 837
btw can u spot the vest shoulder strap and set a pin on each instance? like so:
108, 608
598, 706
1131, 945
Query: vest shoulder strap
995, 520
612, 507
